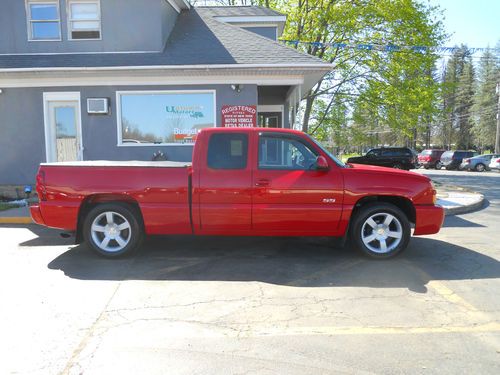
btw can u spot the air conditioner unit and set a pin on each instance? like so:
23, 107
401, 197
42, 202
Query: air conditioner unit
98, 106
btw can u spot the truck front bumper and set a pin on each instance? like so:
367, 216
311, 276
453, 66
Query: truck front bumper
429, 219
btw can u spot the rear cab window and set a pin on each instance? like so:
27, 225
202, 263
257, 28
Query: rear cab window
228, 151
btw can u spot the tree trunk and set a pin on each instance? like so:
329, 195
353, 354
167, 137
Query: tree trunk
307, 112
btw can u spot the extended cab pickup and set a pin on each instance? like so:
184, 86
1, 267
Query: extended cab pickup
242, 181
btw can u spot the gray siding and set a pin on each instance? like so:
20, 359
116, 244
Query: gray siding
127, 25
22, 140
267, 31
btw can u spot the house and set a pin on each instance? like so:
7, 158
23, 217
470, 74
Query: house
127, 79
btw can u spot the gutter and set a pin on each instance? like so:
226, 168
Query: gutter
327, 67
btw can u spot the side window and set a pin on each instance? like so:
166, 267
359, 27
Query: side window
373, 153
228, 151
43, 20
285, 153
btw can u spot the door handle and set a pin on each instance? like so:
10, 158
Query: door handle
262, 182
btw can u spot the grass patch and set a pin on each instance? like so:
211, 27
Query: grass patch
5, 206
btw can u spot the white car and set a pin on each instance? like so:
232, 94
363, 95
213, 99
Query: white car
495, 163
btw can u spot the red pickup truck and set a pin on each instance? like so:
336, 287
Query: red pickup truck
241, 182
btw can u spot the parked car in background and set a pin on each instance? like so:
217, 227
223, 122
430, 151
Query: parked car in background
430, 158
494, 163
478, 163
453, 159
392, 157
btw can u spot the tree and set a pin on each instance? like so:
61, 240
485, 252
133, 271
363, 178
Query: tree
397, 84
486, 100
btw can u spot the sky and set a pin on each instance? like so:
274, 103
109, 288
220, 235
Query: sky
472, 22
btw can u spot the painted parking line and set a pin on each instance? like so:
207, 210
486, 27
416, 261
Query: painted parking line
366, 330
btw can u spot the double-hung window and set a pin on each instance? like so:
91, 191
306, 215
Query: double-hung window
44, 21
84, 19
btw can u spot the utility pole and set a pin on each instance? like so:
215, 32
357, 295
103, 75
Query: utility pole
497, 143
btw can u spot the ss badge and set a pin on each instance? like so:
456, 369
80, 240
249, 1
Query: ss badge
328, 200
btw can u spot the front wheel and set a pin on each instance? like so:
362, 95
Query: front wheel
112, 230
439, 165
380, 230
397, 166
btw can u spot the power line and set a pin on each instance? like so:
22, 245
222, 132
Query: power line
389, 47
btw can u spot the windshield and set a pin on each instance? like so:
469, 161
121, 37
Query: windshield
334, 158
426, 152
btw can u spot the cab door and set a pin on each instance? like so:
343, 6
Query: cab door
224, 194
291, 197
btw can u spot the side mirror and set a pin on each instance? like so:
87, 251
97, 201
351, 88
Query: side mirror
322, 163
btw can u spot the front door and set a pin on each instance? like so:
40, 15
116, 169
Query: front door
270, 120
290, 195
62, 129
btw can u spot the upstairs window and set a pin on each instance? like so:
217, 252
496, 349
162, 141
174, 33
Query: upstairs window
43, 20
84, 19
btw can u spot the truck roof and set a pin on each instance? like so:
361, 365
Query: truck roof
249, 130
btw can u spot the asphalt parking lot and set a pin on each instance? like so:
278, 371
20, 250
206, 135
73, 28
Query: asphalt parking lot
256, 305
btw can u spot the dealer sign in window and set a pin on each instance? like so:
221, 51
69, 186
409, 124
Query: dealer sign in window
239, 116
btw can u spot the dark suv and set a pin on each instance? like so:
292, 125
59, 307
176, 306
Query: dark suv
392, 157
430, 158
453, 159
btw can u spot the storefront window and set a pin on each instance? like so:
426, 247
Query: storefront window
173, 117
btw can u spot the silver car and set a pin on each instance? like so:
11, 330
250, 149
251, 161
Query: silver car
495, 162
478, 163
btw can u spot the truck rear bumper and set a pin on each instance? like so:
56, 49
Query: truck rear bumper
429, 219
36, 214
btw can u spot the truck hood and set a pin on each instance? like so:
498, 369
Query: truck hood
361, 180
380, 171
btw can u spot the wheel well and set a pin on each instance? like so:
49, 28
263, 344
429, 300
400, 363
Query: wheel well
93, 200
403, 204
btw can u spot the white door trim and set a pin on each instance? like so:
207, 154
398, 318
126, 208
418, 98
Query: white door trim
61, 96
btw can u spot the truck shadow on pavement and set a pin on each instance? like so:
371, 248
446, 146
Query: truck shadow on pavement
297, 262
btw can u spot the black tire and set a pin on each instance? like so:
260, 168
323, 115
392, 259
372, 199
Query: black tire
362, 230
438, 165
397, 166
117, 230
480, 167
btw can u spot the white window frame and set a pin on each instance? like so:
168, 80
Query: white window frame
29, 20
61, 97
155, 92
70, 19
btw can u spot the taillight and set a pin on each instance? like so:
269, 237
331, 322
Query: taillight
497, 161
40, 186
466, 160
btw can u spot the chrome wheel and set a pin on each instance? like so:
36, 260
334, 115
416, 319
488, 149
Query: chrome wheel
381, 233
111, 231
480, 167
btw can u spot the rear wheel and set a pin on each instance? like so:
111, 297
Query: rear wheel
439, 165
397, 166
480, 167
112, 230
380, 230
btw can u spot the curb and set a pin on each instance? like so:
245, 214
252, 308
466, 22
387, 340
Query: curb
16, 220
459, 210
